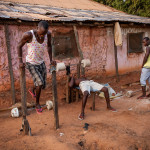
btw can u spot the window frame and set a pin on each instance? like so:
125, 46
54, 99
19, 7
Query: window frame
74, 49
128, 46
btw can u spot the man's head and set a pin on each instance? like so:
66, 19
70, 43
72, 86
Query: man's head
146, 41
42, 28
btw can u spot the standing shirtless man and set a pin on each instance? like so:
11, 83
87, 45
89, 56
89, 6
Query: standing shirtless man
37, 41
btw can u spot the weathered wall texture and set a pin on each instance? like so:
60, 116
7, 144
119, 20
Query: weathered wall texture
126, 62
4, 70
97, 44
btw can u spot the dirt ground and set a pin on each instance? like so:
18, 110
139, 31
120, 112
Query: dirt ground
126, 129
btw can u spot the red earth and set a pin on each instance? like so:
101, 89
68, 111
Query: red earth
126, 129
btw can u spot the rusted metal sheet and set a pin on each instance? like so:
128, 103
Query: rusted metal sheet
30, 12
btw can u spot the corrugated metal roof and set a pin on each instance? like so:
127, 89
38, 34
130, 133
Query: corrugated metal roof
41, 12
69, 4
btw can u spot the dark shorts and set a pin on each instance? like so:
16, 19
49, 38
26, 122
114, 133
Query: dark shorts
38, 73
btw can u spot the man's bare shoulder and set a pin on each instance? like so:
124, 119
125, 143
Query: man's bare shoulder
27, 35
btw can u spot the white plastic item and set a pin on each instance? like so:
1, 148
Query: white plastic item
60, 67
15, 112
49, 104
86, 63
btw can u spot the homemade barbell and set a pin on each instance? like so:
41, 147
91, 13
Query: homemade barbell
131, 93
62, 66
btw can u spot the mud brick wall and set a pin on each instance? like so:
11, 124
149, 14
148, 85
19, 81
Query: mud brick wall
97, 44
126, 62
4, 70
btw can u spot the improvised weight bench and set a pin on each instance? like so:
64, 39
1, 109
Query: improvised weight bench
93, 93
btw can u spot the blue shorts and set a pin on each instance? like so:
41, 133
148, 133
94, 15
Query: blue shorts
145, 75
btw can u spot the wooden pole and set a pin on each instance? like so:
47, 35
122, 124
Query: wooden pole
93, 105
25, 124
23, 91
10, 64
68, 88
78, 75
79, 49
78, 70
116, 62
55, 98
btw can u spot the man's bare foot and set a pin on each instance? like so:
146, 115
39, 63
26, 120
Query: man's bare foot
81, 116
111, 108
142, 97
148, 95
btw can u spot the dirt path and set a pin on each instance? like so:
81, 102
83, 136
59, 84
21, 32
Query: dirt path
127, 129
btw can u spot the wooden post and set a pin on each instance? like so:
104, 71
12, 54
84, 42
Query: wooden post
10, 64
93, 106
25, 124
116, 61
55, 98
79, 49
78, 75
23, 91
78, 70
68, 88
77, 95
72, 95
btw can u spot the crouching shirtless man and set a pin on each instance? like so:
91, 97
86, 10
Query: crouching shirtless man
86, 86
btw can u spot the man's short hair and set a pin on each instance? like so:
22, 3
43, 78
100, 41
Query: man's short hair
146, 38
43, 24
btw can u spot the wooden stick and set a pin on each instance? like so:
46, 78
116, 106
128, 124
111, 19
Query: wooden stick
25, 124
72, 95
93, 106
78, 70
23, 91
10, 64
77, 95
116, 62
78, 75
55, 101
79, 49
67, 88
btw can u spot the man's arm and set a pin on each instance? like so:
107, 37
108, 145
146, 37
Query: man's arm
146, 56
26, 38
71, 83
